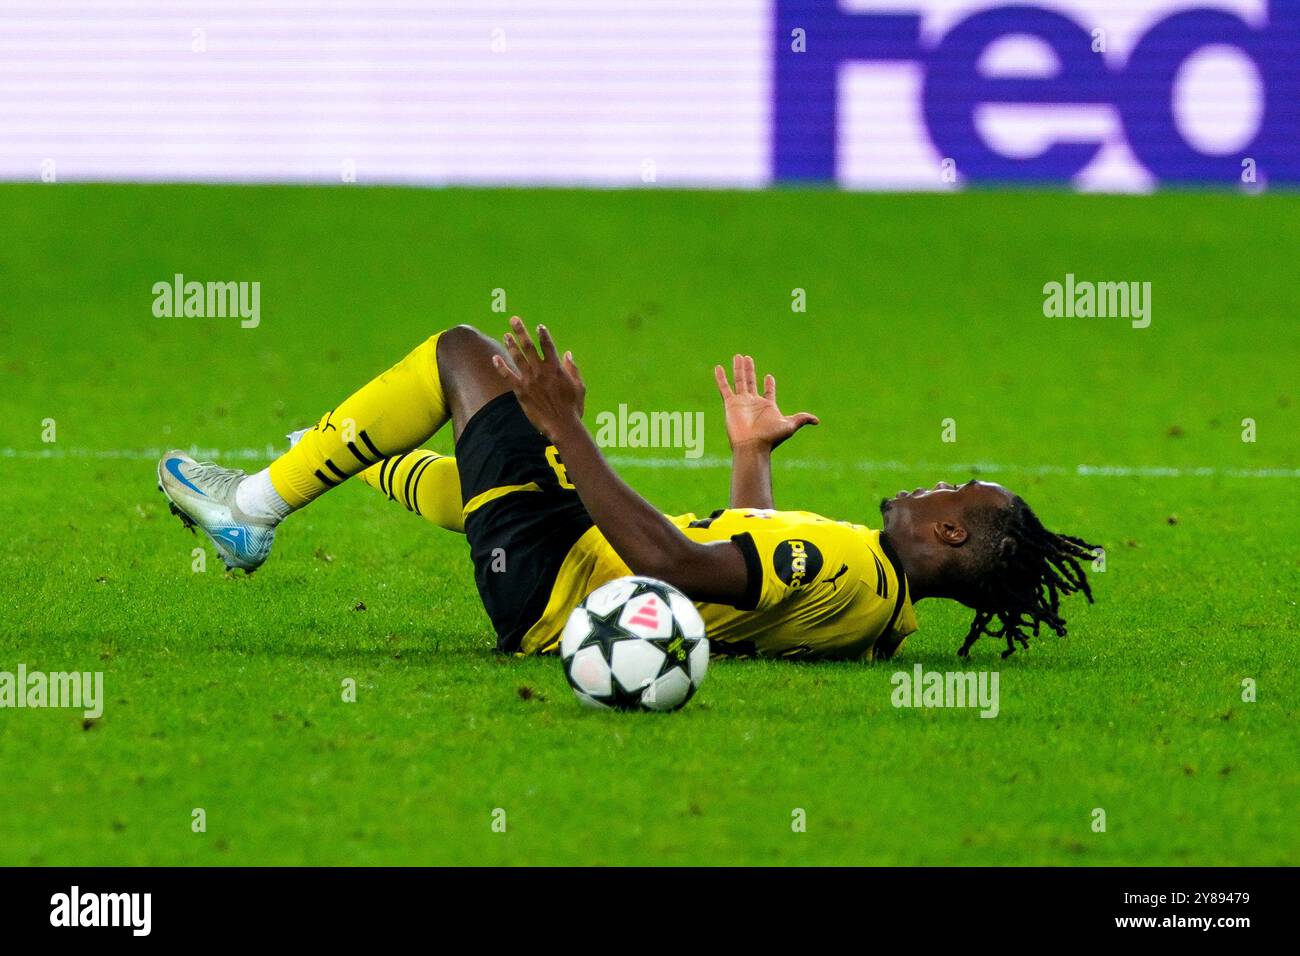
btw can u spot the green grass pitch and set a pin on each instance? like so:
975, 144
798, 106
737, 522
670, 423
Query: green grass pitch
224, 692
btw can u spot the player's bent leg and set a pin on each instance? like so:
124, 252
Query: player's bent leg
394, 413
424, 483
468, 378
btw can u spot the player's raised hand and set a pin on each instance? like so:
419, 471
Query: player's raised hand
753, 418
549, 388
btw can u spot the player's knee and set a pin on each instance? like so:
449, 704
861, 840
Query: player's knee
463, 331
460, 340
464, 360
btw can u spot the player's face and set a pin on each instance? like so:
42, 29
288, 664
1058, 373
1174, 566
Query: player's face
942, 503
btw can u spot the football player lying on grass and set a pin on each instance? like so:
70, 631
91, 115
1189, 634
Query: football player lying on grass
548, 520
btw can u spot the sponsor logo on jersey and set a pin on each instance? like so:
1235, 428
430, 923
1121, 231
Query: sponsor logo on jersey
797, 562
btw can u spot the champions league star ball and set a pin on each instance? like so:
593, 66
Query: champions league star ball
635, 644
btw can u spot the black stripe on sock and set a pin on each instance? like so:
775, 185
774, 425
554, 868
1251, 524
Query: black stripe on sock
343, 475
352, 447
392, 474
406, 491
383, 469
371, 445
325, 481
420, 469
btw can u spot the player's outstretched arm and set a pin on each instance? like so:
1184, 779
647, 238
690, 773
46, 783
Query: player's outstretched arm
550, 391
755, 426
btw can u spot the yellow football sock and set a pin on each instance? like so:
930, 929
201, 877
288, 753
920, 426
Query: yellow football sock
425, 483
398, 411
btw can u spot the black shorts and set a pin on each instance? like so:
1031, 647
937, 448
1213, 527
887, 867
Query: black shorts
523, 521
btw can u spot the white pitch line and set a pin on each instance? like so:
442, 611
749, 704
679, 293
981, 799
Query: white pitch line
270, 452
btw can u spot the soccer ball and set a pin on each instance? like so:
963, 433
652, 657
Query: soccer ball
635, 644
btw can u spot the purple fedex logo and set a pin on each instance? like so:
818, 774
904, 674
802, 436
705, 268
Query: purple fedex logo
1139, 88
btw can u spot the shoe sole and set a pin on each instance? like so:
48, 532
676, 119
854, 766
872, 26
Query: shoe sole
190, 523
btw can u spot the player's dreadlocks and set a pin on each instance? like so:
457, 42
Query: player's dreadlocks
1024, 571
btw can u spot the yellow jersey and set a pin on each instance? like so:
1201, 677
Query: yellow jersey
818, 588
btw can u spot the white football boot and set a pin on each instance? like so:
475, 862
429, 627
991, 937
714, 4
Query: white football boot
202, 494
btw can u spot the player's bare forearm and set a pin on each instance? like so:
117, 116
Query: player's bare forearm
751, 476
649, 543
550, 392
